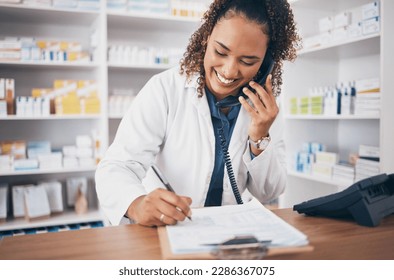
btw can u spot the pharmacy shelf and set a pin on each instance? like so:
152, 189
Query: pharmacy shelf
57, 65
139, 67
338, 117
47, 171
320, 179
69, 217
43, 14
338, 44
151, 21
51, 118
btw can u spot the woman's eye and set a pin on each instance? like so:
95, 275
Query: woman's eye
247, 63
219, 53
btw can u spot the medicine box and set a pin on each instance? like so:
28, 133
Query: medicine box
36, 202
370, 10
326, 24
342, 19
371, 26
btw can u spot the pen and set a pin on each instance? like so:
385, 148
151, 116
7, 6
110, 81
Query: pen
167, 185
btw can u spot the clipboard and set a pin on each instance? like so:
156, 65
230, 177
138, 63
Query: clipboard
167, 254
223, 229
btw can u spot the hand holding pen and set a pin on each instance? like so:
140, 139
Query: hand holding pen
159, 207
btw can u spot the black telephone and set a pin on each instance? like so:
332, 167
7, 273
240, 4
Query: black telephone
267, 66
367, 201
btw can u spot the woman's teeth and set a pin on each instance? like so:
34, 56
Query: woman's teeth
223, 79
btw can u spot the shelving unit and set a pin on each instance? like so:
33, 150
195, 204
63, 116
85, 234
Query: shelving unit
361, 58
60, 130
74, 25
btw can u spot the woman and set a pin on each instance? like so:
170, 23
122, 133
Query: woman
176, 124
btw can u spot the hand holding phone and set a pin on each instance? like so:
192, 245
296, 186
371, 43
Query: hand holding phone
266, 66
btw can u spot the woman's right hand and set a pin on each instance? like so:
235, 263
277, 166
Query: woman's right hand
159, 207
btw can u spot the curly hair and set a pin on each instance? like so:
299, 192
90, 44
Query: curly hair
276, 19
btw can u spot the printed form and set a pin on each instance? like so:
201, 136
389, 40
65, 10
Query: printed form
214, 225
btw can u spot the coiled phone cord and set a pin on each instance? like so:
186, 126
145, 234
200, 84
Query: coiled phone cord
229, 166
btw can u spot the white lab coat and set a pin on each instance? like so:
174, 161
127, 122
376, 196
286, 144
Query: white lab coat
170, 125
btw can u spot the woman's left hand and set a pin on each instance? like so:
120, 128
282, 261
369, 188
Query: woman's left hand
263, 112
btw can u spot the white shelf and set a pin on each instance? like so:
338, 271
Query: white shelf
320, 179
338, 44
54, 64
354, 59
69, 217
42, 14
338, 117
47, 171
151, 21
51, 118
139, 67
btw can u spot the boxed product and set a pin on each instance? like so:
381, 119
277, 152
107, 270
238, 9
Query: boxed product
55, 196
370, 10
371, 26
36, 202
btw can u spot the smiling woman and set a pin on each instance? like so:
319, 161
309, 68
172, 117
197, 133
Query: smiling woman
176, 121
235, 51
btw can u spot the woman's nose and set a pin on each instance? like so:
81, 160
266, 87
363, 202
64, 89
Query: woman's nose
230, 69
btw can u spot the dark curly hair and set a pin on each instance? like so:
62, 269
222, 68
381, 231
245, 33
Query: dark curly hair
276, 19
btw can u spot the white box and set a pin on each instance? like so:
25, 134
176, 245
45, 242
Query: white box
326, 157
370, 10
84, 152
354, 30
3, 108
368, 85
36, 202
371, 26
87, 162
83, 141
322, 169
54, 193
69, 151
18, 200
2, 88
25, 164
339, 34
342, 19
50, 161
70, 162
326, 24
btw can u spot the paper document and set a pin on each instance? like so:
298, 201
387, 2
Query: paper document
213, 225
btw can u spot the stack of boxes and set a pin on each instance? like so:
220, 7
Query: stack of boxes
367, 97
70, 97
360, 97
34, 155
346, 25
306, 157
10, 50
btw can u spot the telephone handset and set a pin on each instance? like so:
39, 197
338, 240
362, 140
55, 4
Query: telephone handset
267, 66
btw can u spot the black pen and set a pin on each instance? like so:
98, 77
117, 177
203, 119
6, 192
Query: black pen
167, 185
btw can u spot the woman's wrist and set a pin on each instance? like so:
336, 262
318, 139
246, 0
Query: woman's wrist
132, 211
